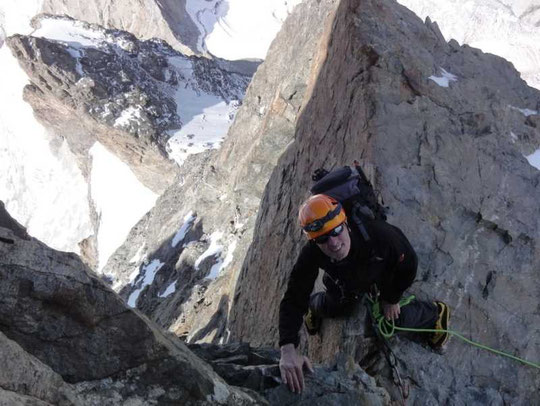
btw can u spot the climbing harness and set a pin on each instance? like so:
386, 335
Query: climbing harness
386, 329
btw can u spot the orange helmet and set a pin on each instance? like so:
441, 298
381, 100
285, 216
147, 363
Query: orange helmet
320, 214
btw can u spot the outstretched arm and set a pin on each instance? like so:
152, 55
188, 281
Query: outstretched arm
295, 301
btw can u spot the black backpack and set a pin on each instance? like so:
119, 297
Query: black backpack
350, 186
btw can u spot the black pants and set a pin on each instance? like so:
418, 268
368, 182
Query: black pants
331, 303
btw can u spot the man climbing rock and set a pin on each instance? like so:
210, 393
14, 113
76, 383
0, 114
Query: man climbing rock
352, 266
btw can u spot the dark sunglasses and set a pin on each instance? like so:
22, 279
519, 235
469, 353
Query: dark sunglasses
323, 239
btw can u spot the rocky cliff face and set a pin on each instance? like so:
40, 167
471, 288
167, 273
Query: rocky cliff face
145, 102
67, 339
167, 20
202, 227
93, 84
441, 129
504, 28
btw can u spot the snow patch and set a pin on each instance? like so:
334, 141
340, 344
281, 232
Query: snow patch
238, 29
71, 32
214, 249
15, 15
513, 137
120, 200
117, 285
221, 264
170, 290
206, 118
133, 276
128, 116
181, 234
445, 79
534, 159
138, 255
221, 393
148, 274
525, 112
225, 338
230, 256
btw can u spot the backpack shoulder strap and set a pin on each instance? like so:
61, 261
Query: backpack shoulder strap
356, 217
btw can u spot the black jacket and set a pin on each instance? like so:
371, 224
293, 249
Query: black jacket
387, 260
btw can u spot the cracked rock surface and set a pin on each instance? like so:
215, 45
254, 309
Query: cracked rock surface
449, 162
442, 131
68, 339
257, 369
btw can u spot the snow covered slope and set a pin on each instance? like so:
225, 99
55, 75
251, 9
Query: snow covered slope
206, 96
42, 185
238, 29
37, 182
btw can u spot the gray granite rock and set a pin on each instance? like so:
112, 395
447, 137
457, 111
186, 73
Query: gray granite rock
223, 189
257, 369
26, 380
68, 339
457, 183
349, 80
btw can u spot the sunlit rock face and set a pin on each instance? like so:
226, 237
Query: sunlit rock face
147, 104
200, 229
505, 28
443, 130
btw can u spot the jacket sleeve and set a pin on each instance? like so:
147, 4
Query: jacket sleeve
295, 302
401, 264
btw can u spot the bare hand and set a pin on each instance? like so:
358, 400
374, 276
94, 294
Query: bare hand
291, 367
391, 311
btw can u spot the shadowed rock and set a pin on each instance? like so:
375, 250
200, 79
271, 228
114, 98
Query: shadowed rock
76, 343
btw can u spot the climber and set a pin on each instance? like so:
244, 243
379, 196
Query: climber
351, 268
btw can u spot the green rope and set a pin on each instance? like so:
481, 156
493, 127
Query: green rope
387, 329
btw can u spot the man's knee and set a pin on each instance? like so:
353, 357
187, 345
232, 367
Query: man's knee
324, 304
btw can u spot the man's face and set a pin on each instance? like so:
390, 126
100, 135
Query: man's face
337, 247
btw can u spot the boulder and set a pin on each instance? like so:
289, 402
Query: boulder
69, 339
